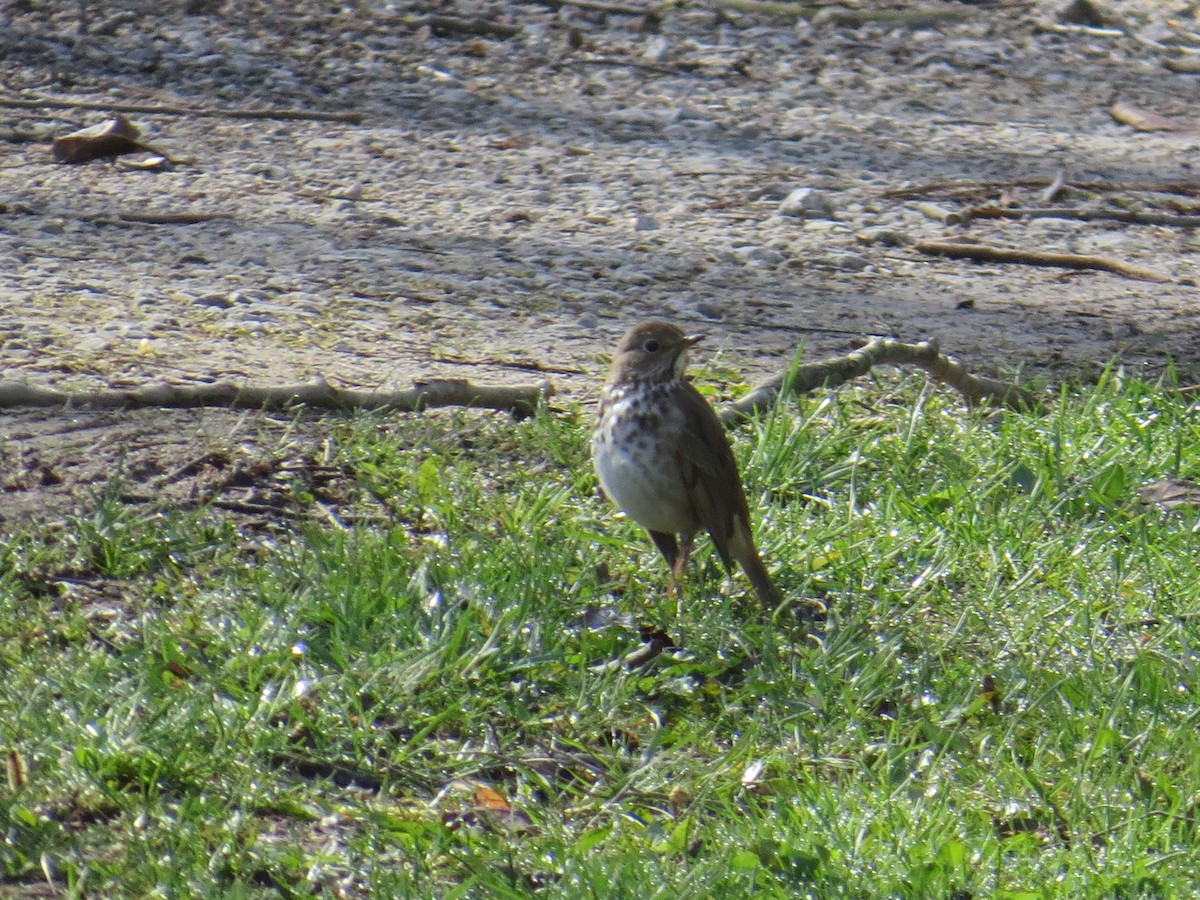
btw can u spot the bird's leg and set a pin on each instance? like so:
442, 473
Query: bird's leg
686, 541
675, 555
677, 570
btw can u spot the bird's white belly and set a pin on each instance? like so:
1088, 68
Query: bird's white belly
654, 494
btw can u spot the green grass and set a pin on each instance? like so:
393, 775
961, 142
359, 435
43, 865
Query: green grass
1002, 701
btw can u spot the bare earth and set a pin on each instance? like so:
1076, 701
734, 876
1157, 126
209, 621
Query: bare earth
512, 199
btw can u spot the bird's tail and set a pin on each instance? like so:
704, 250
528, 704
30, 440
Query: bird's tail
764, 587
741, 547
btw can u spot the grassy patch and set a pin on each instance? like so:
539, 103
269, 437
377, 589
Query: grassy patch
436, 700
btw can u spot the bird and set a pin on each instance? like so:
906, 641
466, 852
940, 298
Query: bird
661, 455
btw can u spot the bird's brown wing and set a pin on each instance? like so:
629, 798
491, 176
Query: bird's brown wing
710, 473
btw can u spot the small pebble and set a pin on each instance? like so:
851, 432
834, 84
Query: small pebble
218, 301
806, 203
887, 237
93, 343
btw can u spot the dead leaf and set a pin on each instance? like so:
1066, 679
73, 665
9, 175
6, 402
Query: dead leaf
112, 137
491, 799
492, 811
1172, 493
1146, 120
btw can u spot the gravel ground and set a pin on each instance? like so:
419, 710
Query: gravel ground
527, 179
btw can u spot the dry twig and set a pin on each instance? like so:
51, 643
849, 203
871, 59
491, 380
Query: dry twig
1050, 194
163, 218
939, 213
155, 109
521, 400
977, 390
1083, 215
984, 253
958, 188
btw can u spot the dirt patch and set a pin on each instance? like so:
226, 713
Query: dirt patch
259, 470
514, 197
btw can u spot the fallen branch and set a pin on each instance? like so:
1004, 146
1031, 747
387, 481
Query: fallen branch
154, 109
520, 400
977, 390
1083, 215
956, 188
984, 253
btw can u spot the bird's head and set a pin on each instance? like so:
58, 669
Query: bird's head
651, 351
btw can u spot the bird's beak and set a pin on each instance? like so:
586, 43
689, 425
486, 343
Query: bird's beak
693, 339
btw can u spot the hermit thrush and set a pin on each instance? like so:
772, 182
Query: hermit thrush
662, 456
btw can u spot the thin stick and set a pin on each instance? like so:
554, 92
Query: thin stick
521, 400
1083, 215
939, 213
1050, 194
153, 109
529, 365
934, 188
984, 253
977, 390
152, 218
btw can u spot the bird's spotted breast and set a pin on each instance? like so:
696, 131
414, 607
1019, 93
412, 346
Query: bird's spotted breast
638, 432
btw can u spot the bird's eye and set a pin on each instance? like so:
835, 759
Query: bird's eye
651, 346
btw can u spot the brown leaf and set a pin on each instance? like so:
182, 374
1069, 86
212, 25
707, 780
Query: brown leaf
492, 810
491, 799
112, 137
